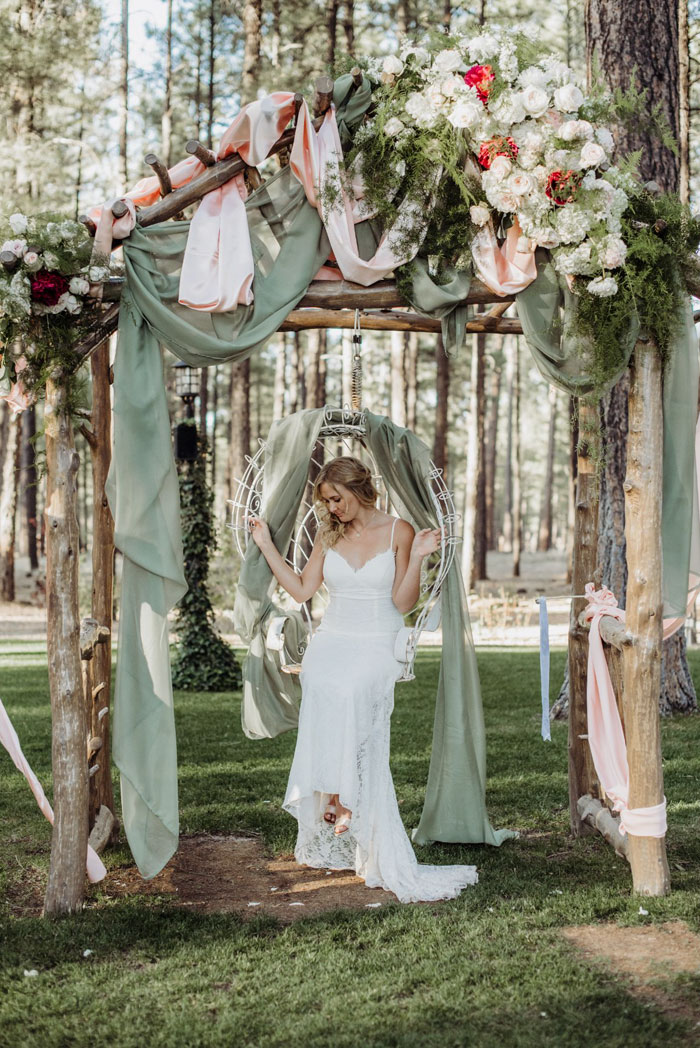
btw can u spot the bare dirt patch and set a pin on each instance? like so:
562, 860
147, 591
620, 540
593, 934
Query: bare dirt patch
235, 875
650, 956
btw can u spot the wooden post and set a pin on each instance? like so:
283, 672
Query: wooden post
582, 777
643, 618
66, 883
99, 669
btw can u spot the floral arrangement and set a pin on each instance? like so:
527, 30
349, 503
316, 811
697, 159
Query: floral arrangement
510, 126
43, 292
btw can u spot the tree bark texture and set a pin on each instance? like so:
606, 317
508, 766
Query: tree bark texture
279, 381
100, 666
643, 619
29, 483
611, 516
491, 442
66, 882
411, 380
640, 40
544, 537
582, 776
398, 378
479, 402
332, 28
124, 96
240, 420
166, 124
683, 103
8, 505
517, 465
442, 390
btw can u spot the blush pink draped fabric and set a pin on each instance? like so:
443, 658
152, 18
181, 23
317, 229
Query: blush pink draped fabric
8, 737
605, 735
505, 269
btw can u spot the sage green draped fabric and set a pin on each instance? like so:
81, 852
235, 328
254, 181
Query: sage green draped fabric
455, 803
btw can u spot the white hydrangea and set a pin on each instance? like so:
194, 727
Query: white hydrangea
435, 95
483, 47
556, 71
533, 76
612, 252
18, 223
605, 138
603, 287
97, 274
79, 286
508, 109
576, 262
571, 223
570, 130
545, 236
421, 57
419, 108
508, 61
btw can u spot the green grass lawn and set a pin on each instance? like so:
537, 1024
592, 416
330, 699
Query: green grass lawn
487, 969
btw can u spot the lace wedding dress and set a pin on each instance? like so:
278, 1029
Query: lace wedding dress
347, 677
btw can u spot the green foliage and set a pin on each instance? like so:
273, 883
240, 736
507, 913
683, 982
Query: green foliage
629, 107
660, 234
203, 662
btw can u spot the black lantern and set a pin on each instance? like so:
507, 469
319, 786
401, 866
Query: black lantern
187, 385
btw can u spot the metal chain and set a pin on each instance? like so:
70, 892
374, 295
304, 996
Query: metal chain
356, 389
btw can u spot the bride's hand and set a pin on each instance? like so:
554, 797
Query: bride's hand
259, 531
426, 542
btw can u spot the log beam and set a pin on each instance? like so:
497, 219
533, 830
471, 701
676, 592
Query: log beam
66, 883
387, 320
582, 776
599, 817
641, 660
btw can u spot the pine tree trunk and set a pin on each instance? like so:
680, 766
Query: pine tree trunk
517, 466
66, 882
404, 20
214, 422
203, 400
640, 40
442, 387
544, 538
573, 467
280, 382
411, 380
294, 358
29, 483
240, 421
491, 451
507, 528
252, 19
332, 29
211, 72
8, 505
398, 378
349, 26
683, 105
166, 123
479, 404
124, 96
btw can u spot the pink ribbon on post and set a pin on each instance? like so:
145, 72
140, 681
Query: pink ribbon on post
605, 735
8, 737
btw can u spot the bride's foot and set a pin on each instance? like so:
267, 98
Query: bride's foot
342, 822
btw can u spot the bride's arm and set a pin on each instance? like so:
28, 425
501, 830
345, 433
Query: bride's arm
411, 550
299, 586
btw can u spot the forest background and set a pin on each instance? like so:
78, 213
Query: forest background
87, 88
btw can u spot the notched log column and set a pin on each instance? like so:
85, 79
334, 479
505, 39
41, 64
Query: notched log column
66, 883
643, 617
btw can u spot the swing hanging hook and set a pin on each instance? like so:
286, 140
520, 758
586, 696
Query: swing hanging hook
356, 389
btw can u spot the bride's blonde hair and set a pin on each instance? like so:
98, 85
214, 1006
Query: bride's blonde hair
354, 476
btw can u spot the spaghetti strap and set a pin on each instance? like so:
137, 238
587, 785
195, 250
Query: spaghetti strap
393, 528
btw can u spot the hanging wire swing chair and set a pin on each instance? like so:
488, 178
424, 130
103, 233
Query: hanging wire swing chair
343, 432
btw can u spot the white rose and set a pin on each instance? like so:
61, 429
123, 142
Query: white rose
33, 261
393, 65
479, 214
508, 108
507, 201
69, 303
585, 129
520, 183
79, 286
605, 138
466, 114
447, 61
592, 154
97, 274
451, 86
614, 253
483, 47
18, 223
568, 98
501, 167
535, 101
436, 96
569, 130
17, 247
603, 287
546, 237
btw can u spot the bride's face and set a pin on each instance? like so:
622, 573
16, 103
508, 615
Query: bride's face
340, 501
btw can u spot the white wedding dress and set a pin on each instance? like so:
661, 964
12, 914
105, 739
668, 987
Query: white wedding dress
347, 677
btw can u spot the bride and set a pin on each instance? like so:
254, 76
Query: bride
340, 788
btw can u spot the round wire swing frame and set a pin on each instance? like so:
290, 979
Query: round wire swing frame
346, 427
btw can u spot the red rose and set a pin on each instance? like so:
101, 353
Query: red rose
496, 147
562, 186
480, 77
47, 288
